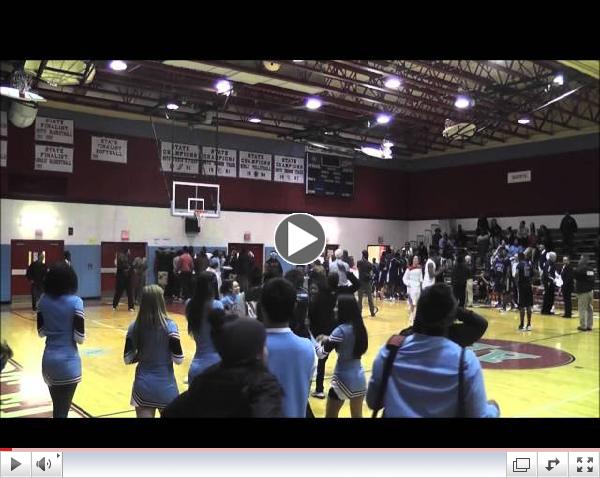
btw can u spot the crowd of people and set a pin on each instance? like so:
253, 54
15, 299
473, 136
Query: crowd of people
262, 337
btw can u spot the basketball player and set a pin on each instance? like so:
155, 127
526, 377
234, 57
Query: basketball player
523, 278
413, 279
501, 269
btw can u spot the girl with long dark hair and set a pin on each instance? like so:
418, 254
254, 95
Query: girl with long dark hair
199, 328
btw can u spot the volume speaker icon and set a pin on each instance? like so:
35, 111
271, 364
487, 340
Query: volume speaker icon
43, 464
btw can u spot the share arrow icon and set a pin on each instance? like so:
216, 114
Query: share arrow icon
550, 462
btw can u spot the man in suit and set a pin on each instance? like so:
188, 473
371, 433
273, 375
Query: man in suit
567, 276
548, 277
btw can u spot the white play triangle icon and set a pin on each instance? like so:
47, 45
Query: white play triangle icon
298, 239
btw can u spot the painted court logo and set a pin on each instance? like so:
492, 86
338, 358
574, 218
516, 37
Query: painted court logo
506, 354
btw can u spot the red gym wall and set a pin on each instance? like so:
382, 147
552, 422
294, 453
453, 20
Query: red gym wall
567, 181
559, 182
378, 193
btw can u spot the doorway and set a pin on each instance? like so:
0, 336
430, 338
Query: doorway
108, 269
375, 251
23, 253
256, 249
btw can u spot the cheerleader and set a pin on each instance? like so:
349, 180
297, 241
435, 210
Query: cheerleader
153, 343
197, 310
350, 341
60, 319
413, 278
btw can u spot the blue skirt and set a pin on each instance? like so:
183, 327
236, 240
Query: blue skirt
154, 388
201, 363
349, 382
61, 366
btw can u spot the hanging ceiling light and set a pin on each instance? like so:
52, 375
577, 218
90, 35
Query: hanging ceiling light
383, 118
393, 83
559, 79
524, 120
313, 103
171, 105
463, 102
224, 87
254, 119
118, 65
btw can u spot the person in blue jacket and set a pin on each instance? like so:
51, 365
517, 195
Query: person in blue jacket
60, 318
425, 378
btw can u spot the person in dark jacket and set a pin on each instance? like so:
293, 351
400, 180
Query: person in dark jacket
324, 294
568, 228
274, 265
482, 225
36, 273
584, 288
240, 386
548, 280
244, 267
123, 279
299, 324
365, 278
460, 275
568, 285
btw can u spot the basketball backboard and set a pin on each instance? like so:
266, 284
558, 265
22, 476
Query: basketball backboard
189, 197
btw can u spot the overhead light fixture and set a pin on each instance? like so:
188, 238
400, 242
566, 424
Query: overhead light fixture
313, 103
524, 120
328, 133
463, 102
387, 144
172, 106
224, 87
298, 61
118, 65
383, 118
381, 153
254, 119
559, 79
393, 83
318, 145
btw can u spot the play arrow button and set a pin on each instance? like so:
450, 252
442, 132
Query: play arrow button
14, 464
299, 239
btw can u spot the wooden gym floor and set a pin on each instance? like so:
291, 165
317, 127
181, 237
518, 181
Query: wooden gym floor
551, 371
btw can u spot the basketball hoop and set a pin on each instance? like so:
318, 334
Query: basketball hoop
200, 217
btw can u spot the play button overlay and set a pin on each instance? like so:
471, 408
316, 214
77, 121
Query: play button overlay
299, 239
14, 464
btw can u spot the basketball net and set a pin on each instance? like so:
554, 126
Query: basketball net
200, 217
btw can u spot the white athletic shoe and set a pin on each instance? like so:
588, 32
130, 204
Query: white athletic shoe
320, 395
529, 327
521, 328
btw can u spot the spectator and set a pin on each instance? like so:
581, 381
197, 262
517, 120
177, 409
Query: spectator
460, 275
532, 239
545, 237
522, 234
213, 268
342, 268
568, 228
413, 280
482, 225
584, 285
244, 266
140, 268
567, 277
274, 265
299, 324
36, 273
515, 248
469, 292
291, 359
548, 280
201, 262
123, 279
496, 231
422, 253
365, 278
483, 245
431, 375
240, 385
186, 267
435, 239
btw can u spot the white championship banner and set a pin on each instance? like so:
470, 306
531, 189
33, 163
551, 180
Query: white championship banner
54, 130
289, 169
226, 163
109, 149
255, 165
53, 158
3, 153
3, 124
186, 158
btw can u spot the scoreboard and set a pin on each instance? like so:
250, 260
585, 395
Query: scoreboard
328, 175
